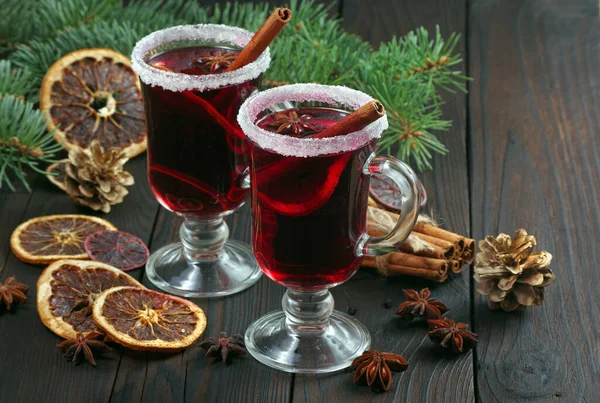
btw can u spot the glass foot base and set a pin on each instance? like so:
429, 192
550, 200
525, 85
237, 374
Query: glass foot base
234, 271
271, 342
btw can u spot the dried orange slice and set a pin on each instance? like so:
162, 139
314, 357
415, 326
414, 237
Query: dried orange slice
94, 94
143, 319
58, 172
55, 237
67, 289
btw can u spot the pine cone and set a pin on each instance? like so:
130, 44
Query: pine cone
96, 179
510, 275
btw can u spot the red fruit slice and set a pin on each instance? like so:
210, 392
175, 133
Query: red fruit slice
193, 188
117, 248
299, 187
386, 193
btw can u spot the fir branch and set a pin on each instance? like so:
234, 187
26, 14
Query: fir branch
31, 19
23, 140
15, 81
406, 74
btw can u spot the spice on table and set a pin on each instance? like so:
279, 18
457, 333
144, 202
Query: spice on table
509, 274
387, 303
374, 369
429, 252
12, 293
451, 335
82, 346
351, 310
419, 305
224, 346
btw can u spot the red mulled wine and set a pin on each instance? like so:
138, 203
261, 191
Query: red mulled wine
196, 150
309, 212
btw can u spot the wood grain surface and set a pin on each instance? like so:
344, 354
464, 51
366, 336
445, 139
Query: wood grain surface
431, 377
524, 152
535, 164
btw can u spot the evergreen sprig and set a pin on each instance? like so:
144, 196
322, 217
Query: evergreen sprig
407, 74
15, 81
23, 139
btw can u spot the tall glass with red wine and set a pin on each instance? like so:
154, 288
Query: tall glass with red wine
309, 203
197, 166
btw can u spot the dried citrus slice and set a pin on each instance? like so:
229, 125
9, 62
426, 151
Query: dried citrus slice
58, 172
387, 194
55, 237
117, 248
143, 319
94, 94
67, 289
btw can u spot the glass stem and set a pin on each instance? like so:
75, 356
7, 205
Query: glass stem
307, 312
203, 239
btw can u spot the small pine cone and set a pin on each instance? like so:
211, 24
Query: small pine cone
509, 274
96, 179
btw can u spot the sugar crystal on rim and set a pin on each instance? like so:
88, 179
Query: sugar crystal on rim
307, 147
172, 81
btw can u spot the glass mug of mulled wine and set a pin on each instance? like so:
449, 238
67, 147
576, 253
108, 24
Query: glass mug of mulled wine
309, 202
196, 153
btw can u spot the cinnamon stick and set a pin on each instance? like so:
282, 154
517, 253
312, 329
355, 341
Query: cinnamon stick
439, 275
468, 253
262, 38
457, 266
437, 252
437, 232
446, 245
408, 260
355, 121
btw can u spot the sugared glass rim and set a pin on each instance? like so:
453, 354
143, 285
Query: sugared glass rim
307, 147
222, 34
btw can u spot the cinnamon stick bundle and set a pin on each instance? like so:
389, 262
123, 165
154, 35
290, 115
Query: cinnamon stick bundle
429, 252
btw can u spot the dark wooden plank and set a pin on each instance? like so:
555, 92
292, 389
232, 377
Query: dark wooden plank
431, 376
535, 160
189, 376
32, 368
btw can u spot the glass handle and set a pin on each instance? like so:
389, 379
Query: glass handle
407, 181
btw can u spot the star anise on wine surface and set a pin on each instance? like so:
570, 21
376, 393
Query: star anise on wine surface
12, 293
375, 369
82, 346
292, 123
451, 335
418, 305
216, 62
224, 347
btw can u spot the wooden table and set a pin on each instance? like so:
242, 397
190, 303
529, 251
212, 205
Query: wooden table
524, 152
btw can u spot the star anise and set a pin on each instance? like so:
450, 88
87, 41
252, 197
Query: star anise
418, 305
216, 62
225, 347
84, 343
12, 293
290, 121
375, 369
451, 335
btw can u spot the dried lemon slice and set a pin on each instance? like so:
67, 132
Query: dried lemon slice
67, 289
94, 94
143, 319
55, 237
